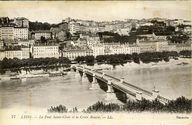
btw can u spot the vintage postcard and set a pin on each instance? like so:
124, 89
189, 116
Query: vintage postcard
95, 63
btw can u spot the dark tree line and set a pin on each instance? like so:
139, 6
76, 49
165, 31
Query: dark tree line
178, 38
180, 105
85, 59
158, 30
16, 63
39, 26
186, 53
109, 37
120, 59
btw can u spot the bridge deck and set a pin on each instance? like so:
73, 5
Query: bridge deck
124, 86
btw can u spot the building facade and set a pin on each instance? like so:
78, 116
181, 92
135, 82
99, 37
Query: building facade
10, 54
98, 50
21, 22
73, 27
43, 51
44, 33
73, 54
21, 33
7, 33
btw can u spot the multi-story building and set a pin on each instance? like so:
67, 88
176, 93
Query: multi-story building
73, 27
7, 33
2, 54
91, 41
162, 46
27, 43
121, 48
1, 45
134, 49
10, 54
98, 49
147, 46
25, 52
43, 33
180, 47
43, 51
21, 22
73, 54
4, 20
21, 33
172, 47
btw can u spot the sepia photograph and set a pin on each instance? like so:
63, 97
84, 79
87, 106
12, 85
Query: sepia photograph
96, 62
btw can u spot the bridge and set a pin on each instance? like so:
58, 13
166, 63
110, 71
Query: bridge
116, 87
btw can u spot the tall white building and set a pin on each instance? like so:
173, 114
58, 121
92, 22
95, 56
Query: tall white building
73, 54
74, 27
2, 54
121, 49
22, 53
11, 33
7, 33
21, 33
10, 54
25, 52
98, 50
43, 51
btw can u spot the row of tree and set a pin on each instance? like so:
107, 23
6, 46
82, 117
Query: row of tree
180, 105
186, 54
16, 63
158, 30
109, 37
39, 26
146, 57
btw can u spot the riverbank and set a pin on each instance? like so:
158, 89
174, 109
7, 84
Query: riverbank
132, 65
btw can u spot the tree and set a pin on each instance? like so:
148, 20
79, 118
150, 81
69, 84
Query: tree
89, 60
186, 53
135, 58
43, 40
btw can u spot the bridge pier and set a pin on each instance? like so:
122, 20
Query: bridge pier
110, 88
110, 92
94, 84
139, 96
155, 94
84, 75
130, 98
121, 80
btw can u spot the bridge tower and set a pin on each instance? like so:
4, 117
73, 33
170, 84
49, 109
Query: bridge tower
110, 92
139, 96
155, 94
94, 84
130, 97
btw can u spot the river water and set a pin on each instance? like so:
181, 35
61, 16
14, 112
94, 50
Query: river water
172, 82
73, 91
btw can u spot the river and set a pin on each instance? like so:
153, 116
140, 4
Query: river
73, 91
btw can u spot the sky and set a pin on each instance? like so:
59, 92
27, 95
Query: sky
54, 12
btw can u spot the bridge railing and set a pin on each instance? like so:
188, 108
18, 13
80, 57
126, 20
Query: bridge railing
98, 72
127, 84
125, 90
137, 88
112, 77
162, 99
